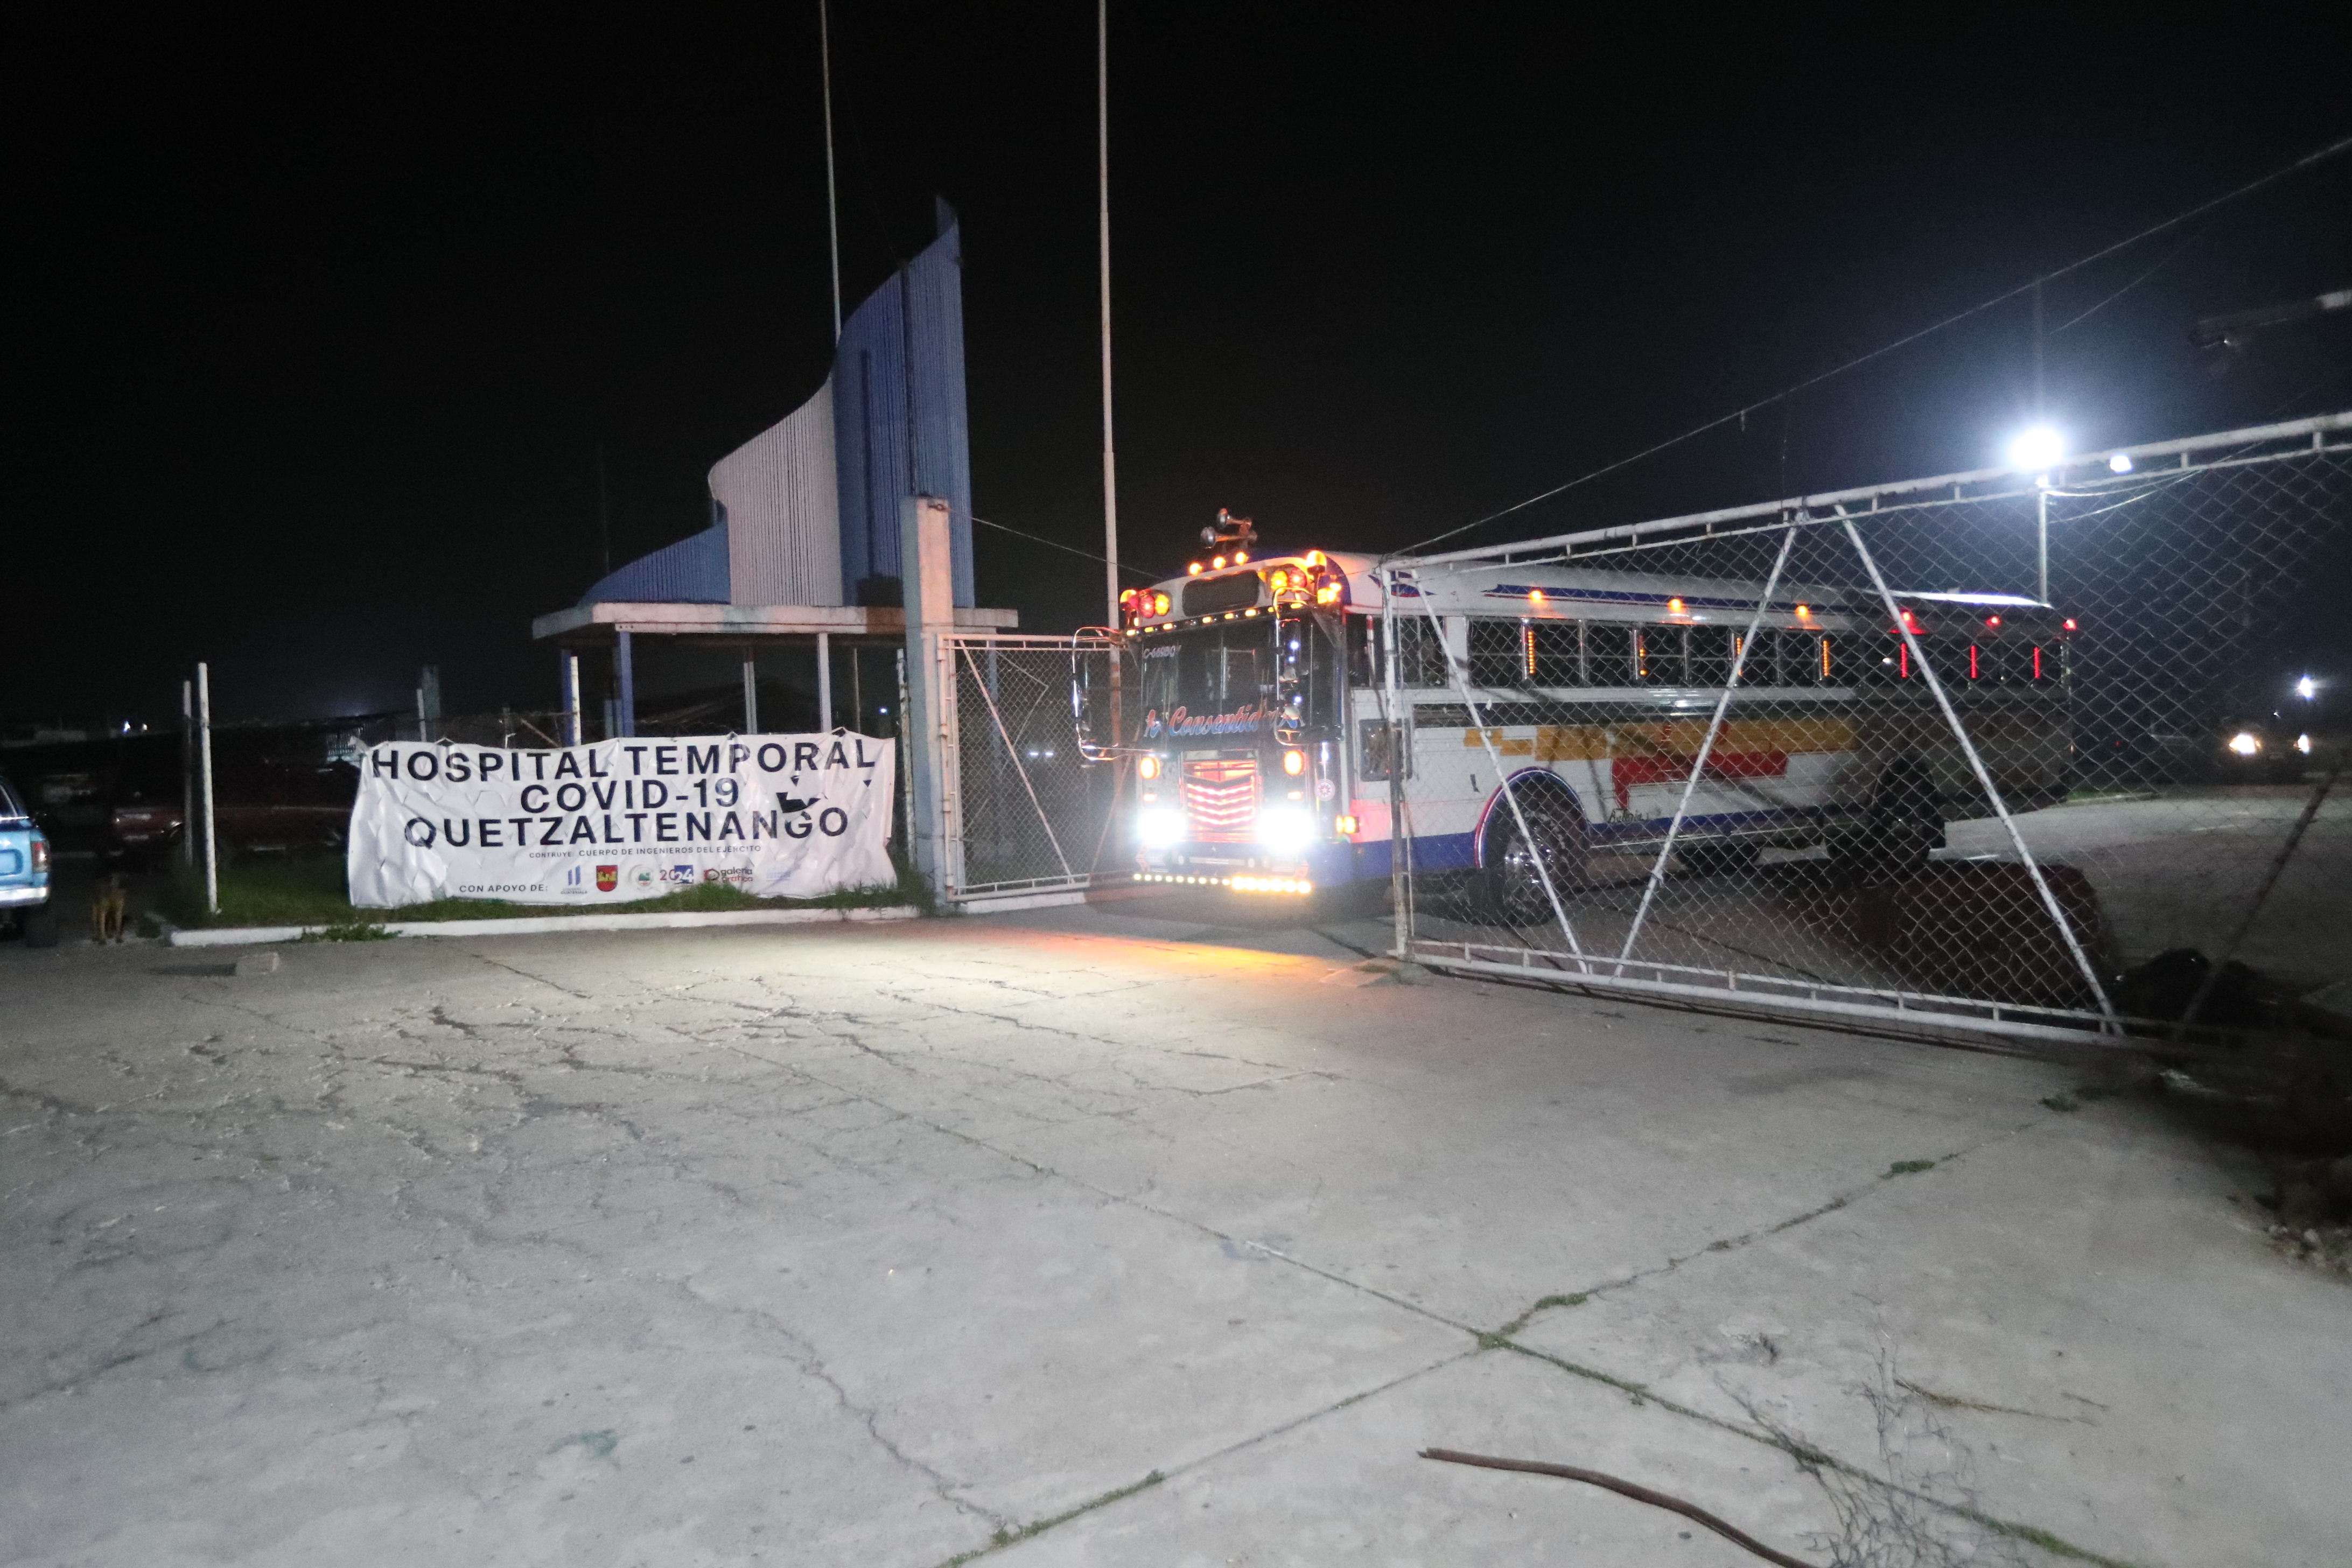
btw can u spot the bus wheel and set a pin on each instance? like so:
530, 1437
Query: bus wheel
1555, 837
1906, 821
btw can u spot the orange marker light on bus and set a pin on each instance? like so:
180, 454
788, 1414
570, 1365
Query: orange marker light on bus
1294, 763
1240, 556
1192, 569
1158, 603
1219, 563
1149, 767
1675, 606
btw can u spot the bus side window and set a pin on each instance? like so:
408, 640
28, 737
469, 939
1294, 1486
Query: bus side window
1421, 656
1558, 653
1710, 655
1661, 655
1375, 747
1608, 654
1497, 654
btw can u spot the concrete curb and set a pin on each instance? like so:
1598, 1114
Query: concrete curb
542, 925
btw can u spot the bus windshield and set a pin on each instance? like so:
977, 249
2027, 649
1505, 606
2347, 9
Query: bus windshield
1215, 681
1236, 678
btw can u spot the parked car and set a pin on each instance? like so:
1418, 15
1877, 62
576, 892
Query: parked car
2265, 749
25, 871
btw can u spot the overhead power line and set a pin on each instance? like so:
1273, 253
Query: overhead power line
2306, 161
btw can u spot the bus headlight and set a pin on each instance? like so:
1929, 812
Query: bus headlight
1158, 828
1285, 829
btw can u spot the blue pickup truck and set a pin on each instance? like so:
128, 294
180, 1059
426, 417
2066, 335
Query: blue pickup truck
24, 872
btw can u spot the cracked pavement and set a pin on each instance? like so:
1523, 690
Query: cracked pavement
887, 1245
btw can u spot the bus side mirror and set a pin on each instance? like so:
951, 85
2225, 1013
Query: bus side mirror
1095, 669
1294, 655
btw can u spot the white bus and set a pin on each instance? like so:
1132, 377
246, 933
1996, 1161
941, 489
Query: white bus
1265, 752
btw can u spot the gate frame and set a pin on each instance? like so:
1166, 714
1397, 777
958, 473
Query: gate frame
1731, 990
943, 648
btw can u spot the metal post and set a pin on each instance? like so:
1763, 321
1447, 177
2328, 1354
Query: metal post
627, 658
205, 761
1400, 844
831, 205
569, 723
1110, 467
751, 692
2041, 545
188, 773
824, 683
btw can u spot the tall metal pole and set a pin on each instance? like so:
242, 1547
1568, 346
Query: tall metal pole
205, 761
188, 771
832, 204
1110, 467
2042, 545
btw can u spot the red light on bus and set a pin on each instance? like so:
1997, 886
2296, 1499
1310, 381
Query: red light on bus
1903, 667
2037, 663
1972, 661
1993, 620
2070, 624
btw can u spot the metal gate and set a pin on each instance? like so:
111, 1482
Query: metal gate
1028, 821
2006, 753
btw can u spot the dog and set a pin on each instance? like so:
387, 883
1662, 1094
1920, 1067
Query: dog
107, 908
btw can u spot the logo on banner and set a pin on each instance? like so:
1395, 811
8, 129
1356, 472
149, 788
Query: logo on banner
571, 883
607, 879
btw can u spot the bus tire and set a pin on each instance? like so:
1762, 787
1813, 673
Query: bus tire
1905, 821
1513, 888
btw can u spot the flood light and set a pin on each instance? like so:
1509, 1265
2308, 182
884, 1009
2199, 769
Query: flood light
2307, 688
2038, 447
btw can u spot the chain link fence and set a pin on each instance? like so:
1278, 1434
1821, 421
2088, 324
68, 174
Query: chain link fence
1996, 751
1030, 817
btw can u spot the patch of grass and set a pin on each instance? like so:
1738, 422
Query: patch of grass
1910, 1167
310, 891
354, 931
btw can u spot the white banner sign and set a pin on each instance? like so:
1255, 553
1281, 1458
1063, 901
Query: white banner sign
776, 815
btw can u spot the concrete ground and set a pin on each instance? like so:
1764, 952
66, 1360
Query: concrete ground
1107, 1239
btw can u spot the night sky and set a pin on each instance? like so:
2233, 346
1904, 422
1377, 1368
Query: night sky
317, 332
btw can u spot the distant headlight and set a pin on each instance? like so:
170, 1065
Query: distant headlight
1158, 828
2246, 743
1285, 829
2303, 745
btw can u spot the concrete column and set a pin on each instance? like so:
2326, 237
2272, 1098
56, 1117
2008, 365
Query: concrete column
567, 682
751, 691
929, 580
627, 658
824, 683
